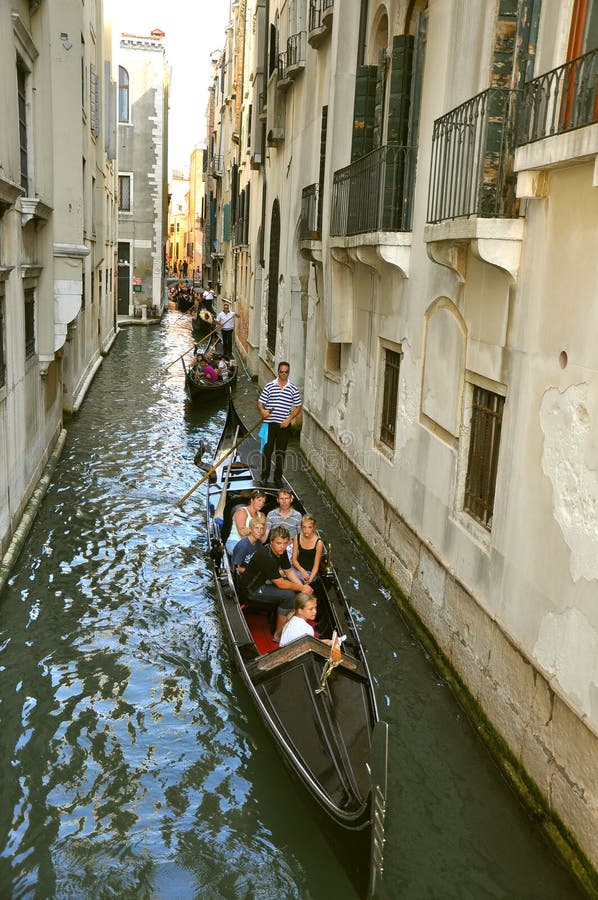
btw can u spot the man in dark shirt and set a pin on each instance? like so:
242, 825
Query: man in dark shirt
270, 577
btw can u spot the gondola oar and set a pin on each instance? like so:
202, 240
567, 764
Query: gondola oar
179, 357
218, 462
219, 513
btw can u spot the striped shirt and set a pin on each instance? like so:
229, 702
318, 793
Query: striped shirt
292, 522
282, 401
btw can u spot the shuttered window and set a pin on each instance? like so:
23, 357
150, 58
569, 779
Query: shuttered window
480, 484
2, 339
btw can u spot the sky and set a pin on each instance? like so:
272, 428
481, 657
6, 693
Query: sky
194, 28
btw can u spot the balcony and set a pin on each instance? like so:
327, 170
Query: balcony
216, 166
471, 194
310, 224
320, 21
372, 205
560, 100
558, 118
291, 61
374, 193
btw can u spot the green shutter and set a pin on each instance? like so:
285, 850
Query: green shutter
226, 222
364, 111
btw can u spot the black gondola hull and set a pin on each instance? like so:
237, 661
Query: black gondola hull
326, 738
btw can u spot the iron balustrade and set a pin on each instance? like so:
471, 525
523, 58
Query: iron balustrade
471, 171
296, 49
310, 227
375, 192
282, 66
315, 14
560, 100
327, 4
216, 165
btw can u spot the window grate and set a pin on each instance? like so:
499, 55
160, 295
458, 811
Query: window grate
392, 366
22, 105
480, 484
29, 322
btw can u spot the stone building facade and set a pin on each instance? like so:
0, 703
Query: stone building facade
142, 172
421, 236
57, 232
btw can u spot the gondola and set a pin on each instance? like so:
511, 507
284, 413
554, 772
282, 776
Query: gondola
202, 323
197, 386
326, 728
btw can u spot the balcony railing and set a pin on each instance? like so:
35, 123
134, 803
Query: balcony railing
560, 100
296, 50
310, 228
282, 69
374, 193
471, 172
315, 14
216, 163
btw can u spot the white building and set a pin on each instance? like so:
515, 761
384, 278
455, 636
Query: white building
142, 173
57, 231
429, 221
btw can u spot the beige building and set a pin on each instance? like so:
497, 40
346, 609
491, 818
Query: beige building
425, 250
176, 251
57, 232
142, 173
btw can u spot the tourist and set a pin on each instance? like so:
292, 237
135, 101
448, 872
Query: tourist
242, 517
307, 551
225, 320
247, 546
269, 578
284, 514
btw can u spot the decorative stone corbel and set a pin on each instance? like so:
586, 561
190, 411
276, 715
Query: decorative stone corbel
451, 254
34, 209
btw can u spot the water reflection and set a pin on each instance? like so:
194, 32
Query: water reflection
132, 764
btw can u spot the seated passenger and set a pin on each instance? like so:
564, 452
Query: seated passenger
246, 547
307, 551
300, 621
207, 370
242, 517
222, 368
284, 514
270, 579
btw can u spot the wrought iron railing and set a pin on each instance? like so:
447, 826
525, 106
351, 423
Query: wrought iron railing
315, 14
560, 100
327, 4
471, 171
310, 227
216, 164
282, 66
374, 193
296, 49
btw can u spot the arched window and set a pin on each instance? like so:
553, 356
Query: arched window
123, 95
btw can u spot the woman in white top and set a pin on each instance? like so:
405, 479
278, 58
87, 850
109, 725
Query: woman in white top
243, 516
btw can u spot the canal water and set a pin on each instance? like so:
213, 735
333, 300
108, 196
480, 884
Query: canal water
132, 765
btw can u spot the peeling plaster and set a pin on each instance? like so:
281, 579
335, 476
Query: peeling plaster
566, 424
567, 647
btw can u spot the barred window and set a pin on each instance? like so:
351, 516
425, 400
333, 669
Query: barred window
124, 193
480, 483
29, 322
392, 365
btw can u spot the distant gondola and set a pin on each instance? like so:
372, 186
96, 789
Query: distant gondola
202, 323
198, 386
327, 730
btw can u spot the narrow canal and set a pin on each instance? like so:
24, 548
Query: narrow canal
131, 763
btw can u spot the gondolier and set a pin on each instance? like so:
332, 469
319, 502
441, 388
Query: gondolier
226, 321
279, 403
